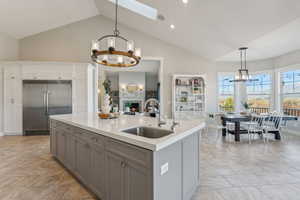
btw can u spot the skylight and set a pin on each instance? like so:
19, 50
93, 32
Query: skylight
139, 8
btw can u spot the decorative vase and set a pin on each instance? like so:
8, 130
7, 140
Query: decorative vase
106, 104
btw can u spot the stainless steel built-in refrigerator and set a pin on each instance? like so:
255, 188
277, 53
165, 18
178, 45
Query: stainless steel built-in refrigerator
41, 99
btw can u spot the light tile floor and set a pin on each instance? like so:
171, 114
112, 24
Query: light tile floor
242, 171
28, 172
229, 170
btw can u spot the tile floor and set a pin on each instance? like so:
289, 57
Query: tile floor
28, 172
242, 171
229, 170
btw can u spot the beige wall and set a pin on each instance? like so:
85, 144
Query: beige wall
9, 48
72, 43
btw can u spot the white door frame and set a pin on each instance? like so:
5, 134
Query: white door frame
160, 79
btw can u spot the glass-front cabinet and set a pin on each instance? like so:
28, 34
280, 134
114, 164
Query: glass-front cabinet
188, 96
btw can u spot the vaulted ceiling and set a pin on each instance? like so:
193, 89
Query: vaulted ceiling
211, 28
28, 17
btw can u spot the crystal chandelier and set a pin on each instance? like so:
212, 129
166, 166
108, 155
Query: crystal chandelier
104, 51
243, 73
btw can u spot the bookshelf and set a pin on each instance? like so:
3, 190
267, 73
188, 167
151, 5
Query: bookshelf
188, 96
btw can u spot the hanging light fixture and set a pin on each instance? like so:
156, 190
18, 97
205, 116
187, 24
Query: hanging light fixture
127, 56
243, 73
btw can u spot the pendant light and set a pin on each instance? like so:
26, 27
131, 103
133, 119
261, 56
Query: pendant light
104, 51
243, 73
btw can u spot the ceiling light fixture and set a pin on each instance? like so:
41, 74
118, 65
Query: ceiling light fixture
243, 73
111, 56
185, 1
172, 26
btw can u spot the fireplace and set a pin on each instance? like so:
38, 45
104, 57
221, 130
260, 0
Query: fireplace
133, 105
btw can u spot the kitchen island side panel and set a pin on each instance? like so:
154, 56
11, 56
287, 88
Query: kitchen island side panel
176, 169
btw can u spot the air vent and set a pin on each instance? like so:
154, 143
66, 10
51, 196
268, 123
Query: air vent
161, 17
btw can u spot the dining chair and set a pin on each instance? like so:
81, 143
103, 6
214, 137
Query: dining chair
254, 127
283, 128
272, 124
230, 126
208, 120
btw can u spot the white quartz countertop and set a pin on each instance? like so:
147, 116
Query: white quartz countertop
113, 128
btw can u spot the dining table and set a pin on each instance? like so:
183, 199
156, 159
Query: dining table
238, 118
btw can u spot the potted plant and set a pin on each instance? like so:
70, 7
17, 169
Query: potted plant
247, 106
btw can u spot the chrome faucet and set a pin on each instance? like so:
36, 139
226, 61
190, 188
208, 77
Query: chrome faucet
159, 121
174, 123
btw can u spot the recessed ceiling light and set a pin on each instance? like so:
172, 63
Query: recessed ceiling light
172, 26
185, 1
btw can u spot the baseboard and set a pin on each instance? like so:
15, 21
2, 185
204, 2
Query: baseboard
13, 133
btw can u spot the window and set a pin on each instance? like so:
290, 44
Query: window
226, 92
139, 8
290, 86
259, 92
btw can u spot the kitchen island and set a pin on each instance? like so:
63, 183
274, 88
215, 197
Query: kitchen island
119, 165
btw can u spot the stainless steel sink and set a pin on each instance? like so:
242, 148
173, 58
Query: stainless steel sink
148, 132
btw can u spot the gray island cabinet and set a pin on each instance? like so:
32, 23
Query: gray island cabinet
116, 170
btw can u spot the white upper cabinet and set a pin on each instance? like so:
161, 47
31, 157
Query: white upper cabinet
84, 88
47, 71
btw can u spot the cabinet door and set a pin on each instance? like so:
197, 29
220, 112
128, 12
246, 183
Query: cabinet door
12, 101
70, 151
137, 182
98, 171
53, 141
61, 144
83, 160
115, 169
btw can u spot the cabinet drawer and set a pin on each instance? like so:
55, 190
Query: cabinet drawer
90, 137
97, 140
83, 134
64, 126
68, 128
131, 152
58, 124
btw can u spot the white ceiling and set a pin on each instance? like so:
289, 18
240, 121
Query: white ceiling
211, 28
21, 18
281, 41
